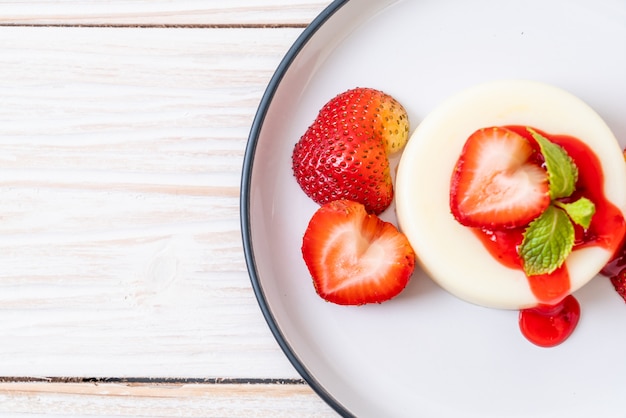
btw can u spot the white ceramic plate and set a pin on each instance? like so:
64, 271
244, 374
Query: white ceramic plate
426, 353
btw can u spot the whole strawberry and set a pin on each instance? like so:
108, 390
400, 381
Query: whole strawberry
344, 153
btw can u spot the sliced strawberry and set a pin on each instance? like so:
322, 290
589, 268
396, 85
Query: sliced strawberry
495, 183
355, 257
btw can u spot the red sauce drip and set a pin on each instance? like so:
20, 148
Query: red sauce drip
503, 245
616, 269
550, 325
607, 230
617, 264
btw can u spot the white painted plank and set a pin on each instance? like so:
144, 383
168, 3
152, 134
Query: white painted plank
197, 400
120, 157
185, 12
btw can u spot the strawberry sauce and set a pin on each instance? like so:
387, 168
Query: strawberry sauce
558, 311
550, 325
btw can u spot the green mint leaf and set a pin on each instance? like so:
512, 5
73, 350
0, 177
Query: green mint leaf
562, 171
547, 242
580, 211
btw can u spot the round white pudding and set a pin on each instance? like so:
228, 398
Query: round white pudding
451, 253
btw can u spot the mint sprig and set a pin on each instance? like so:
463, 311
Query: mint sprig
549, 239
562, 171
547, 242
580, 211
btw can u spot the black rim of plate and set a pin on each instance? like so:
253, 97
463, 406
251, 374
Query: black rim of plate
248, 162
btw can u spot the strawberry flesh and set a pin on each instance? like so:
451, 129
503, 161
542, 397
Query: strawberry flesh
354, 257
496, 183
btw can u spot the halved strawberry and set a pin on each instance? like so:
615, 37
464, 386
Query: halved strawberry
355, 257
496, 184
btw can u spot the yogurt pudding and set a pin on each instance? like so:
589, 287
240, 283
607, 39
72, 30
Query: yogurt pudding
456, 256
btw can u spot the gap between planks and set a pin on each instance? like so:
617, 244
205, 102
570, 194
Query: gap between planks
154, 380
162, 26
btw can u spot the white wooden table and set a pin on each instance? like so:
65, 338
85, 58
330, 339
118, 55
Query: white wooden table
123, 287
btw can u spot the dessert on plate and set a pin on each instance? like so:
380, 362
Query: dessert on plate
512, 194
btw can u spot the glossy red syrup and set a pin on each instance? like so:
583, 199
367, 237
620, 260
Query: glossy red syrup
616, 268
607, 230
617, 264
550, 325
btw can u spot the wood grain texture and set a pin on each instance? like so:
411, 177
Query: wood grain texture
161, 12
121, 150
197, 400
119, 236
